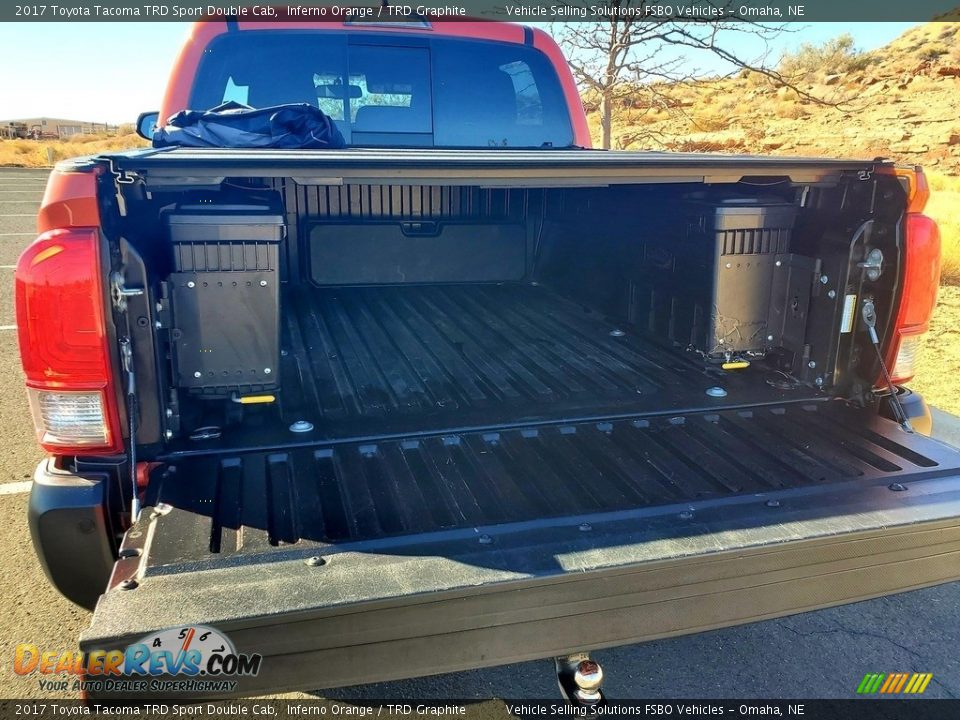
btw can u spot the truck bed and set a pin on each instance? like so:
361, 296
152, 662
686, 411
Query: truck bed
448, 407
384, 360
530, 467
497, 472
237, 504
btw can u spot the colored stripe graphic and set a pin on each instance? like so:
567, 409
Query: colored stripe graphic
919, 683
890, 683
894, 683
903, 681
870, 683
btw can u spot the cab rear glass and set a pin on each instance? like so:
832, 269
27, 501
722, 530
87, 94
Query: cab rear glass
386, 90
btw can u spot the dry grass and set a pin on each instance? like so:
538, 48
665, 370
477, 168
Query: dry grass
944, 207
938, 366
708, 119
790, 111
34, 153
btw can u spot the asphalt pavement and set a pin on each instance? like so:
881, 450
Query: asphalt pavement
818, 654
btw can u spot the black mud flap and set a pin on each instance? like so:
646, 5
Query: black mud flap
383, 560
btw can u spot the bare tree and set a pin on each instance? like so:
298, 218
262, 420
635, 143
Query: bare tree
633, 48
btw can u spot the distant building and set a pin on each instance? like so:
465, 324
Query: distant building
53, 128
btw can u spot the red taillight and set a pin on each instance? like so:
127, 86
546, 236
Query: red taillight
64, 347
918, 297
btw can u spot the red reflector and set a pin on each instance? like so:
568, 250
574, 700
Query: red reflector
61, 326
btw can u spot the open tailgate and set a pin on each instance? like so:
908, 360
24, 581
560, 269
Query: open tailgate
884, 517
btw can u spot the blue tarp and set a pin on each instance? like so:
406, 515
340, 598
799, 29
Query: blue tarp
233, 125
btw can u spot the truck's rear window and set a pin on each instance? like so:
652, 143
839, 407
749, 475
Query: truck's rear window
394, 90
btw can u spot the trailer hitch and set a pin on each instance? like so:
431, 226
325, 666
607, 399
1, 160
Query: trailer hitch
580, 679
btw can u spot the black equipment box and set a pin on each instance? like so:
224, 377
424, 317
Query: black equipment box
724, 281
225, 294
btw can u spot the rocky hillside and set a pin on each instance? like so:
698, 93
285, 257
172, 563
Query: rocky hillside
900, 101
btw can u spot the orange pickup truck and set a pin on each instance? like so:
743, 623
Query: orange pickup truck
467, 392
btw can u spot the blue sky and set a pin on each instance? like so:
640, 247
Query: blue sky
110, 72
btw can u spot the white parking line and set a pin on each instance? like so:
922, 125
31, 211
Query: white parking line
17, 488
23, 234
8, 267
20, 215
8, 327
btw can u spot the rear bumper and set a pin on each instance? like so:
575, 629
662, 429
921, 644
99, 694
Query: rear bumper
408, 607
70, 530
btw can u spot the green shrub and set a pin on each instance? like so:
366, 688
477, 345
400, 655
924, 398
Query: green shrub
838, 55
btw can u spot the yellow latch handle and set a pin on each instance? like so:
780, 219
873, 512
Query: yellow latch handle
736, 365
256, 399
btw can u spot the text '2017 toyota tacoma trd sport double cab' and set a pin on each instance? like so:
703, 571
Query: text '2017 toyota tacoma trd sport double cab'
465, 392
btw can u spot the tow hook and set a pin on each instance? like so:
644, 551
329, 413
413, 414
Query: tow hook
580, 679
872, 264
120, 292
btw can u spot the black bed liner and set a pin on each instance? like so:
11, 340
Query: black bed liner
450, 407
256, 502
494, 353
369, 363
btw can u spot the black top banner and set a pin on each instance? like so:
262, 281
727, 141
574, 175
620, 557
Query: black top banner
776, 11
